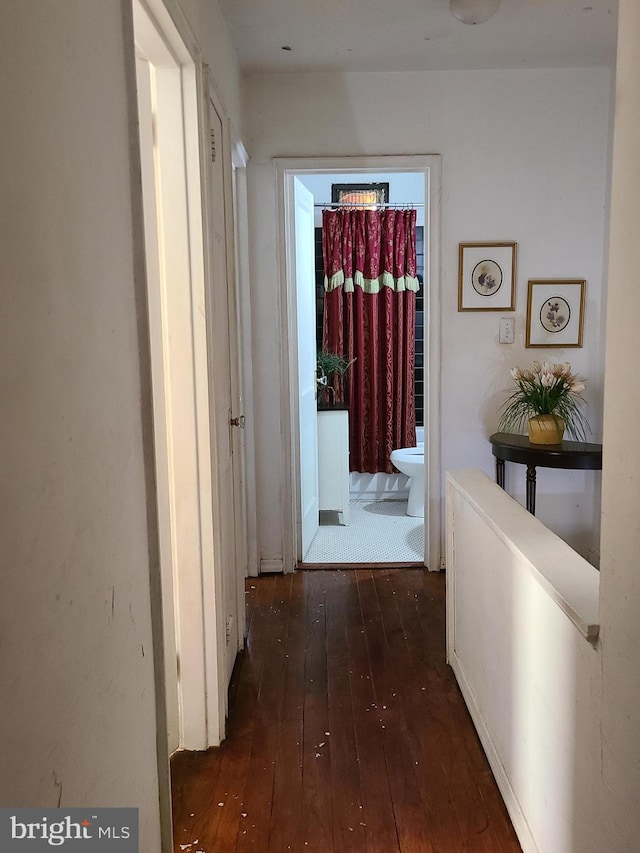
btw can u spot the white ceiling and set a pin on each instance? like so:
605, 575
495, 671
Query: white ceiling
415, 35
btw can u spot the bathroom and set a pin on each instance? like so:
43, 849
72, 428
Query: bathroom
385, 519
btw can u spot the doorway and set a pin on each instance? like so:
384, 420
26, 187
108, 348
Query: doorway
369, 499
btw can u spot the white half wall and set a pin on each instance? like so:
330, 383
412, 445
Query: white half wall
522, 625
524, 158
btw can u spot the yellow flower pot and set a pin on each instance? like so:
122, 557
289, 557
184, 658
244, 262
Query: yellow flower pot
546, 429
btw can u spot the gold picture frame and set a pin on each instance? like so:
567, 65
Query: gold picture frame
555, 312
487, 276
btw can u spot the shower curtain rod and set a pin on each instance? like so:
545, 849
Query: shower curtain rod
366, 205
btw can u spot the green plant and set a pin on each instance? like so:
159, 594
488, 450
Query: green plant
546, 389
329, 363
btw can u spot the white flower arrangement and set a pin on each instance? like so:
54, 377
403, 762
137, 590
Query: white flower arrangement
547, 389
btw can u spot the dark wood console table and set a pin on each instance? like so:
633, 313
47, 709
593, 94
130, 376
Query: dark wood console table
518, 448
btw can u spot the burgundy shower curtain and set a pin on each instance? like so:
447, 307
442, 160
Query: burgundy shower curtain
369, 316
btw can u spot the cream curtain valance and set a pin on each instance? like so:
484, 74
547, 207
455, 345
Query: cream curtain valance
371, 285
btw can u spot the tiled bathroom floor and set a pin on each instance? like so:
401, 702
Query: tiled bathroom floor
379, 532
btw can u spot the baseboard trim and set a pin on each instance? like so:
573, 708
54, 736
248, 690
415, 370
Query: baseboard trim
304, 567
268, 567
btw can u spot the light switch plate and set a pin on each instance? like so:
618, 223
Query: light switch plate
507, 330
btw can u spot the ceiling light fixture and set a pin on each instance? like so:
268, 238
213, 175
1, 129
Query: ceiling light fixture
473, 11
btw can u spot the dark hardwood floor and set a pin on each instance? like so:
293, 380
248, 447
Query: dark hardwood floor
347, 732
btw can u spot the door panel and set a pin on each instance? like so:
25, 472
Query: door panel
161, 405
224, 404
306, 321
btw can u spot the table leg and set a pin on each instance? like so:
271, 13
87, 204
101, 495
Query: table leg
531, 489
500, 472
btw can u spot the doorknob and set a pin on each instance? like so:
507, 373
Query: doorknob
234, 422
321, 381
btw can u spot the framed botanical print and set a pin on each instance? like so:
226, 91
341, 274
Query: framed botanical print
555, 312
487, 276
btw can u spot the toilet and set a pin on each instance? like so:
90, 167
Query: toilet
410, 460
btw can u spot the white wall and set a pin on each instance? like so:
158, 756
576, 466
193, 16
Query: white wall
77, 692
208, 24
79, 545
524, 157
521, 606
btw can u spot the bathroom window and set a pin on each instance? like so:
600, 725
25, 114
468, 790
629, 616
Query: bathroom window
360, 195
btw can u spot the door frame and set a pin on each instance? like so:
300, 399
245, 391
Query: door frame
287, 168
192, 575
303, 368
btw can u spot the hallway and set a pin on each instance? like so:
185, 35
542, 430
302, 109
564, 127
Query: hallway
347, 729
